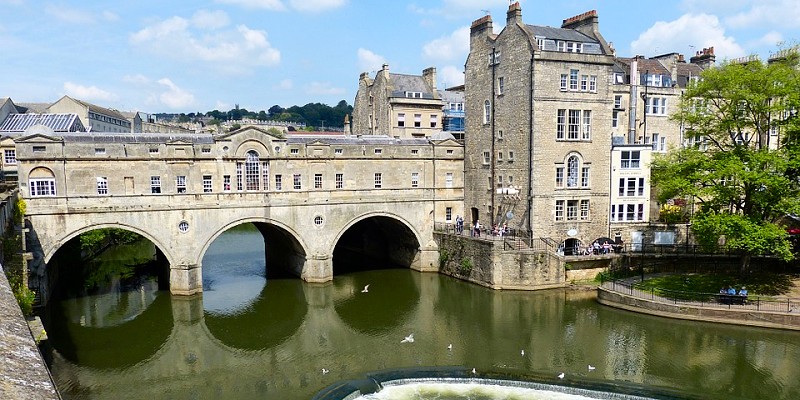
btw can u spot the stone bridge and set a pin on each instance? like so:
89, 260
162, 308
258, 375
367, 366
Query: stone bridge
312, 197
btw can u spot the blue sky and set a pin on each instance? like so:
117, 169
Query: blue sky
179, 56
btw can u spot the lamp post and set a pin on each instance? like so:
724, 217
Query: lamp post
688, 225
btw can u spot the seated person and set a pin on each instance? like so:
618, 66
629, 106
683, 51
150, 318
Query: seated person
723, 290
731, 291
743, 291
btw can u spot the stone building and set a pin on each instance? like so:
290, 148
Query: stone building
453, 116
95, 118
538, 123
397, 105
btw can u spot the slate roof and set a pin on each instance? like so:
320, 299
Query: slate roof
402, 83
124, 137
570, 35
365, 139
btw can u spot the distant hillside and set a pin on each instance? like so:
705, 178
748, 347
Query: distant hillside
314, 115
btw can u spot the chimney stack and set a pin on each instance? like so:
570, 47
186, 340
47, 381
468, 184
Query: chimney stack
514, 14
705, 58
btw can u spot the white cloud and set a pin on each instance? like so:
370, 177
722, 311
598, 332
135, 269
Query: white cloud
285, 84
204, 19
200, 39
771, 40
88, 93
174, 97
772, 13
450, 76
275, 5
369, 61
449, 48
323, 88
697, 30
316, 5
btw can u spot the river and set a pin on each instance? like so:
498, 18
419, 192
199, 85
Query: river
250, 336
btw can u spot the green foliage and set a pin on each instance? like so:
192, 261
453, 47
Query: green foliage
739, 177
20, 207
670, 213
275, 132
465, 267
95, 240
234, 127
25, 297
444, 256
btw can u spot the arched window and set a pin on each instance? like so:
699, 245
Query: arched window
41, 182
572, 171
487, 112
252, 171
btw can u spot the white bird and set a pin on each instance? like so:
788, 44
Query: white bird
473, 371
325, 371
561, 376
522, 353
591, 368
365, 290
408, 339
450, 346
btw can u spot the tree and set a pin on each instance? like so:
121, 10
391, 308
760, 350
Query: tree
743, 178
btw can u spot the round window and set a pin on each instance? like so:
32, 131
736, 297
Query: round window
183, 226
318, 220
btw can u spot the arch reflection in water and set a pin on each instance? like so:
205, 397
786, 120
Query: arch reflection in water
386, 306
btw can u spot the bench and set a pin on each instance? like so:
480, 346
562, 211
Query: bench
731, 299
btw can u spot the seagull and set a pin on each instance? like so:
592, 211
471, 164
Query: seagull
408, 339
365, 290
561, 376
325, 371
591, 368
450, 346
522, 353
473, 371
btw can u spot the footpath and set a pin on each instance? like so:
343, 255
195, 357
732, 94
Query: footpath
23, 373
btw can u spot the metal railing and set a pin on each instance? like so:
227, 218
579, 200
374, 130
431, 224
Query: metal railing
707, 300
512, 239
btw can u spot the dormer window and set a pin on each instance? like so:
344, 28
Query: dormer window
414, 95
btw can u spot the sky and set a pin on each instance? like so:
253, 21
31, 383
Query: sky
182, 56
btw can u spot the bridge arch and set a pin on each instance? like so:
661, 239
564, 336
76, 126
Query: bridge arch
270, 229
51, 250
403, 249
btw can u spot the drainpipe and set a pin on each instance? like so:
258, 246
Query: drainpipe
530, 146
634, 99
492, 164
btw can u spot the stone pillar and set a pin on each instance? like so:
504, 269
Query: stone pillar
185, 279
427, 260
318, 269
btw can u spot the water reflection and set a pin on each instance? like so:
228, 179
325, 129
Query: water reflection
274, 341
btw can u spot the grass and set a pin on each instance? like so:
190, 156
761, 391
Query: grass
691, 286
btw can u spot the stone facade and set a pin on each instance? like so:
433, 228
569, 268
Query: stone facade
537, 151
397, 105
94, 118
182, 191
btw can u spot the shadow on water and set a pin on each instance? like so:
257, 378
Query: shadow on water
392, 295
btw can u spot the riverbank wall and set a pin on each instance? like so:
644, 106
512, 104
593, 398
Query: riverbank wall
23, 373
737, 316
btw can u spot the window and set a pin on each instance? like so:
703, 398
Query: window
448, 180
659, 142
434, 120
561, 123
10, 156
614, 119
417, 120
448, 214
586, 131
226, 183
510, 156
206, 150
252, 171
487, 112
627, 212
564, 80
155, 184
414, 152
378, 151
585, 176
584, 83
573, 79
500, 85
573, 124
207, 186
180, 183
102, 185
656, 106
559, 176
618, 101
561, 45
499, 134
593, 83
630, 159
629, 187
39, 149
559, 210
99, 150
494, 57
278, 182
414, 179
449, 152
338, 151
42, 187
486, 158
317, 181
499, 156
572, 171
401, 120
339, 180
298, 182
378, 180
584, 210
572, 210
294, 151
153, 150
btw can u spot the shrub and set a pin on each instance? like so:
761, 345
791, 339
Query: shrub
466, 266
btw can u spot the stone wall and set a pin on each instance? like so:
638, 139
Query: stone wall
488, 263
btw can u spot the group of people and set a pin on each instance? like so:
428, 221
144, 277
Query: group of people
597, 248
475, 229
731, 291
